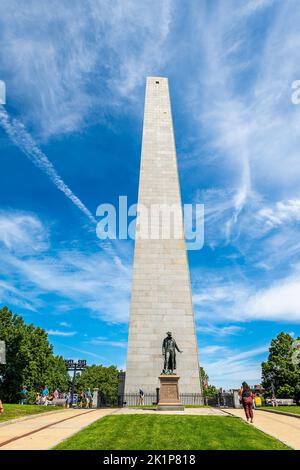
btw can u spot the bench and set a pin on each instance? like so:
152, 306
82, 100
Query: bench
58, 402
281, 402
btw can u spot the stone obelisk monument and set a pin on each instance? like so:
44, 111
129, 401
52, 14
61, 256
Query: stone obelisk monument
161, 293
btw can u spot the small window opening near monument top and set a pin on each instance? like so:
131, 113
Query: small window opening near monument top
157, 83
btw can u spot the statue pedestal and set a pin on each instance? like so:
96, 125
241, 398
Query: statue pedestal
169, 393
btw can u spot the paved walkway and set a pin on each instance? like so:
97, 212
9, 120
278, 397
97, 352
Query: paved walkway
41, 432
187, 411
44, 431
284, 428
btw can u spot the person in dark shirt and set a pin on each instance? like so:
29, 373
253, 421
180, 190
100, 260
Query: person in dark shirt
141, 396
247, 401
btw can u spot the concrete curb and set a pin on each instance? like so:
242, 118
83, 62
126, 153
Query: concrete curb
260, 429
81, 428
34, 431
231, 414
34, 415
285, 413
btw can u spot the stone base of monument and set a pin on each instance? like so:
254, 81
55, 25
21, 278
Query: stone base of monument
169, 394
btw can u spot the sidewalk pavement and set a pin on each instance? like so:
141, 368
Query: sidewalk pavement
187, 411
56, 427
284, 428
41, 432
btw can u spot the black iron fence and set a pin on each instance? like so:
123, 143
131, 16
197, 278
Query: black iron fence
224, 400
134, 399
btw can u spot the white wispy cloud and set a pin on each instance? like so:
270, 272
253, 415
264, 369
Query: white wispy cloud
251, 130
212, 349
108, 342
82, 351
223, 300
77, 278
252, 6
282, 212
18, 134
231, 367
75, 64
230, 330
61, 333
279, 301
65, 324
22, 232
11, 295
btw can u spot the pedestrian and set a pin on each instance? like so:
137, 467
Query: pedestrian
81, 400
67, 398
23, 393
141, 396
45, 392
1, 407
88, 396
247, 401
56, 394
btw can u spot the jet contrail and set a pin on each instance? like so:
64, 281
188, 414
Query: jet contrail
18, 134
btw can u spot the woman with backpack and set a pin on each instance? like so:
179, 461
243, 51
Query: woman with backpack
247, 401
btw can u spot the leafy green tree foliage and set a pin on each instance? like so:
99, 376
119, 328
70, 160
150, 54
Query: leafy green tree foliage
210, 391
280, 370
207, 390
104, 378
29, 359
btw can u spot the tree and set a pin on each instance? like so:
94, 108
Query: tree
207, 390
29, 359
280, 370
104, 378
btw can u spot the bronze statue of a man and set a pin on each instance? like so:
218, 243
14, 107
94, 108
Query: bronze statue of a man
169, 347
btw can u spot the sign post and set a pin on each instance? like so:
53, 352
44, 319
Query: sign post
71, 365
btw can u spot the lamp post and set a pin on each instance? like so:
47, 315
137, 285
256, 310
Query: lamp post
71, 365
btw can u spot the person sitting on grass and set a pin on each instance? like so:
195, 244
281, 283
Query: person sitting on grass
49, 399
38, 399
247, 401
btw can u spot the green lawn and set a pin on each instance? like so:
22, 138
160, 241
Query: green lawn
287, 409
163, 432
17, 411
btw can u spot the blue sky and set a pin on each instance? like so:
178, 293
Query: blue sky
70, 139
